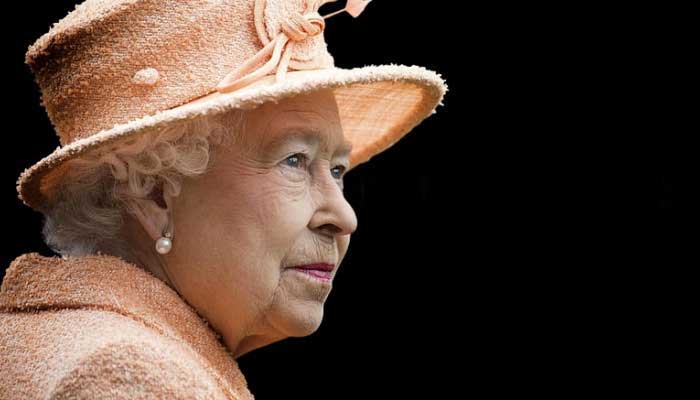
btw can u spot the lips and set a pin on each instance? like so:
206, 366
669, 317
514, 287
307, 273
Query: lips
318, 266
319, 270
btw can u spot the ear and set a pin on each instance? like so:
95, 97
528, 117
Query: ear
152, 216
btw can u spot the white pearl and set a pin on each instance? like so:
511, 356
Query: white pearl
163, 245
146, 76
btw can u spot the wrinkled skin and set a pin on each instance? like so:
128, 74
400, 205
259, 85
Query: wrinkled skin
258, 210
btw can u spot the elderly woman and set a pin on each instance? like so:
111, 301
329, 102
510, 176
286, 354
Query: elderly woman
199, 214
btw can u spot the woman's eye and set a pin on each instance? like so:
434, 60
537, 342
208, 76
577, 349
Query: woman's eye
295, 160
339, 174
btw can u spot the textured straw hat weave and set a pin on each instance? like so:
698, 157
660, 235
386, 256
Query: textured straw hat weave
114, 69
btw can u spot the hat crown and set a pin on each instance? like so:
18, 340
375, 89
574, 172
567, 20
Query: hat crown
109, 62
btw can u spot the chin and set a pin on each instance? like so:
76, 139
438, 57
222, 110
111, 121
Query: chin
302, 322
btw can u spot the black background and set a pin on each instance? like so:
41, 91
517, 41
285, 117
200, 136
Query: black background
527, 238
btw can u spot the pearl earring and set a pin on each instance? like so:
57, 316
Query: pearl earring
165, 242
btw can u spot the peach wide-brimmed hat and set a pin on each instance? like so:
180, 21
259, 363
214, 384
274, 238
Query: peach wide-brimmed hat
114, 69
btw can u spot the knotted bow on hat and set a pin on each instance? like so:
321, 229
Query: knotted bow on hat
296, 28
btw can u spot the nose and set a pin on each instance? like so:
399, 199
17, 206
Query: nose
334, 215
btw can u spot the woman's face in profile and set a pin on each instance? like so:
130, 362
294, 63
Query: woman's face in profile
272, 200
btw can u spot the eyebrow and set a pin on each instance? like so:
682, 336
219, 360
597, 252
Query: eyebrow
307, 135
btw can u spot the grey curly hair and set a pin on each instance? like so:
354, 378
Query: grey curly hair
90, 203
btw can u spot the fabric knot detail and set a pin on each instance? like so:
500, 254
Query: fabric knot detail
294, 28
298, 27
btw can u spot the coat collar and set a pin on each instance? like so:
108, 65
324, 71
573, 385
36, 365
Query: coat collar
107, 282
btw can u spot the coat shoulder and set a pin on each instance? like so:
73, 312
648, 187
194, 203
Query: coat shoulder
134, 370
85, 353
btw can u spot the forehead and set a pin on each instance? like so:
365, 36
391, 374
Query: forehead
310, 118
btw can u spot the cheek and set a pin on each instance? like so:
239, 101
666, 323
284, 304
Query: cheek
255, 218
285, 208
343, 243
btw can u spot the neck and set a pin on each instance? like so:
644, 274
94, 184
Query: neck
141, 251
247, 343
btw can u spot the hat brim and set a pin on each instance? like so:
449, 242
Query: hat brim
378, 105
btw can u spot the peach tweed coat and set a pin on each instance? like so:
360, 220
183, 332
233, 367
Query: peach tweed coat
98, 327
